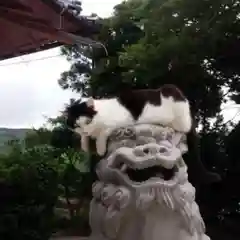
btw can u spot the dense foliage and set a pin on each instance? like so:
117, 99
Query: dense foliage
193, 44
43, 187
29, 190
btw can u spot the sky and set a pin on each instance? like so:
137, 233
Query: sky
29, 90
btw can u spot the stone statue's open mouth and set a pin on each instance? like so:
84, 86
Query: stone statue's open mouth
142, 175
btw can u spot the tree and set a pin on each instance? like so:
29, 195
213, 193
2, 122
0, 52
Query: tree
193, 44
154, 42
36, 137
29, 188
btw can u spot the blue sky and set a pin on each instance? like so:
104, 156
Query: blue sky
29, 91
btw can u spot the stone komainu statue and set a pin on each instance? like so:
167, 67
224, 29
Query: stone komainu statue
143, 191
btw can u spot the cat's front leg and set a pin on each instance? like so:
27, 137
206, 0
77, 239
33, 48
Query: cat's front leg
84, 139
92, 129
100, 146
85, 143
101, 141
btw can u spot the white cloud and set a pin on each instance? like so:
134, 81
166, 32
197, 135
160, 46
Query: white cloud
29, 91
103, 8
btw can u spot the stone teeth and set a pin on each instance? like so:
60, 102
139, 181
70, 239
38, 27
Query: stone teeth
123, 167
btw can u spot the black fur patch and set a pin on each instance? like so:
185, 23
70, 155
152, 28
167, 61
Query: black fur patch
134, 101
76, 110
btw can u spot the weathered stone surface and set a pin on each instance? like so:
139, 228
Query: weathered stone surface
143, 190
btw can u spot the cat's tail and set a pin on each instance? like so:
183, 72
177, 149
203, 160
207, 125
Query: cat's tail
197, 172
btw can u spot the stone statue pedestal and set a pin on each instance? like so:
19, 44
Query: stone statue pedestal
143, 191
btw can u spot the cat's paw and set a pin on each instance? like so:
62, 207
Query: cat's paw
101, 152
100, 146
85, 143
101, 149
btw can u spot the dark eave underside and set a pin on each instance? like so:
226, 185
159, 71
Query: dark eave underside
28, 26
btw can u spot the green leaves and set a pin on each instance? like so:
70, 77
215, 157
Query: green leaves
76, 159
152, 42
29, 186
193, 44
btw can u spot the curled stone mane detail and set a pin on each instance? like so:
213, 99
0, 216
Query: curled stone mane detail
143, 190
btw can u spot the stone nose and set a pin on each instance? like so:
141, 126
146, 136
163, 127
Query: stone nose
146, 150
155, 150
163, 149
152, 149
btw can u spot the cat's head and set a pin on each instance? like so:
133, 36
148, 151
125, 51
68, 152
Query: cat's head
80, 114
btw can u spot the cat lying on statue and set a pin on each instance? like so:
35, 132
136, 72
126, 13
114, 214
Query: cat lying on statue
165, 106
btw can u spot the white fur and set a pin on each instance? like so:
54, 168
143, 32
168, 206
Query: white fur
111, 114
170, 113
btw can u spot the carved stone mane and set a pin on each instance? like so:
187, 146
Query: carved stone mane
143, 190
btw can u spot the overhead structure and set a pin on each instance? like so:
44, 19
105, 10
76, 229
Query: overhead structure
29, 26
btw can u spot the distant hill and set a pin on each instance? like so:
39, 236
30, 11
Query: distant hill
7, 134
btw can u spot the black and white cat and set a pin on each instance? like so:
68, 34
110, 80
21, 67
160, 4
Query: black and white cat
166, 106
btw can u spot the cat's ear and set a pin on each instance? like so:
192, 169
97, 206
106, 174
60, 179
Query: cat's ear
90, 102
